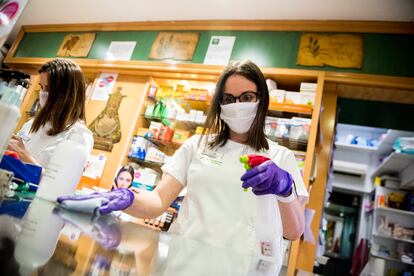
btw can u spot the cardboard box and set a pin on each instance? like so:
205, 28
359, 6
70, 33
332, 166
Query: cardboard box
293, 97
277, 96
307, 98
180, 136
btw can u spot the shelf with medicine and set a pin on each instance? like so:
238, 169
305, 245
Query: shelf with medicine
174, 110
393, 225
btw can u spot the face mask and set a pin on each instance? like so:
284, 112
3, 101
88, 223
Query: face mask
43, 97
239, 116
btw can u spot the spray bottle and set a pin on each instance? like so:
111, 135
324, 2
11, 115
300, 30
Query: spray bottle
268, 224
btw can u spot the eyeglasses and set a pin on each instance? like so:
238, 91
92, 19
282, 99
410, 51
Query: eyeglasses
245, 97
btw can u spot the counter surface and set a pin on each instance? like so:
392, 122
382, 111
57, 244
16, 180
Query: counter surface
37, 238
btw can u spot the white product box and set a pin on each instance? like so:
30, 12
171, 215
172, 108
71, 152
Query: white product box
200, 117
192, 115
277, 96
292, 97
271, 84
307, 98
155, 155
182, 116
307, 87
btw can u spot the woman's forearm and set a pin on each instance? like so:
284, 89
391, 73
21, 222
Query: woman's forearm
153, 204
293, 219
27, 158
148, 205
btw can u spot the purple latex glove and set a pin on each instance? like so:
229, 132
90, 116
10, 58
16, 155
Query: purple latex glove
103, 229
115, 200
268, 178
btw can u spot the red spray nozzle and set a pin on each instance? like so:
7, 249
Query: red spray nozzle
252, 160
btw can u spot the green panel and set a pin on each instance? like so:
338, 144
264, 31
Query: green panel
383, 54
389, 55
103, 39
43, 45
376, 114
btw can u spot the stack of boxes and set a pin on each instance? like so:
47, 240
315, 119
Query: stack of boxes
305, 96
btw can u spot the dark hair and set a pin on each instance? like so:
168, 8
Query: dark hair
215, 125
128, 169
66, 101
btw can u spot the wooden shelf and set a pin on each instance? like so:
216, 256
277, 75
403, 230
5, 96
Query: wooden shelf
191, 103
186, 125
146, 163
392, 238
290, 108
163, 143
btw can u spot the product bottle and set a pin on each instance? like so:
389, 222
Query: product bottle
39, 236
9, 117
64, 169
268, 242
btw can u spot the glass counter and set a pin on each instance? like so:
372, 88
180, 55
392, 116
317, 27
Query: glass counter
37, 238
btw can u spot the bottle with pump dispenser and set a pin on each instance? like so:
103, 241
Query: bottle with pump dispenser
65, 168
13, 88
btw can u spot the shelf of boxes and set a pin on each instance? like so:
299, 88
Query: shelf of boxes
397, 164
393, 229
385, 147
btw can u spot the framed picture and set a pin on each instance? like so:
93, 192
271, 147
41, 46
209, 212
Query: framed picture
76, 45
337, 50
174, 45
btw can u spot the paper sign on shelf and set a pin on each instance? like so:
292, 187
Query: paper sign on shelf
120, 50
219, 50
104, 86
307, 234
95, 166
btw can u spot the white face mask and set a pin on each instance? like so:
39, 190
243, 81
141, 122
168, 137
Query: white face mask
43, 97
239, 116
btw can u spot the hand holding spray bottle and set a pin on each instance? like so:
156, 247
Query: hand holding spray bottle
267, 181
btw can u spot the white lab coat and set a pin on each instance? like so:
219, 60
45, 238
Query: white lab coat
216, 210
41, 146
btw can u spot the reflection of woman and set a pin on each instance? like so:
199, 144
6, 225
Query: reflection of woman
124, 178
62, 112
215, 209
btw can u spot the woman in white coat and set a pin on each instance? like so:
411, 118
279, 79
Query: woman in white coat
62, 111
216, 209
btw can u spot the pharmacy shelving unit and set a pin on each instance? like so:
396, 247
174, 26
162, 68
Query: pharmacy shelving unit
400, 165
385, 243
352, 164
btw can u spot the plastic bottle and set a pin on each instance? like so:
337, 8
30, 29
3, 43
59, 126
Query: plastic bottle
39, 236
9, 117
268, 243
64, 169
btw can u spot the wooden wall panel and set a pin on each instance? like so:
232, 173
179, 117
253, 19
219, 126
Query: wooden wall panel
134, 89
